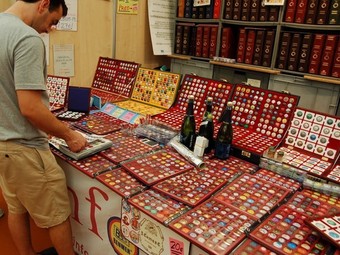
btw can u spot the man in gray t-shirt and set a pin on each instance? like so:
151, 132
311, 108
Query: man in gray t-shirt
31, 181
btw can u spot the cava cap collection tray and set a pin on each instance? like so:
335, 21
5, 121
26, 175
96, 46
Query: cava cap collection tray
126, 147
197, 185
312, 143
286, 232
201, 88
327, 226
113, 79
99, 123
57, 88
260, 118
153, 92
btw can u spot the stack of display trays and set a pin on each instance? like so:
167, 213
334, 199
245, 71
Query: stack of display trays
121, 182
99, 123
282, 181
232, 164
156, 167
153, 92
253, 195
260, 119
312, 203
57, 87
334, 174
128, 147
121, 134
285, 232
159, 207
93, 165
113, 79
193, 187
312, 143
220, 224
201, 88
214, 226
327, 226
250, 247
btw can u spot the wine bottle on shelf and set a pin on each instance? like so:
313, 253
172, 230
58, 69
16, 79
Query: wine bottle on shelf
207, 125
225, 134
188, 128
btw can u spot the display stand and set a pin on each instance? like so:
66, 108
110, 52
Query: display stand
96, 219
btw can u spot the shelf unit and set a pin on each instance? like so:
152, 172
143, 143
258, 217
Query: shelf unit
279, 26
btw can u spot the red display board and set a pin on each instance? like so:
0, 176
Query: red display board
201, 88
57, 87
312, 143
157, 166
280, 230
114, 79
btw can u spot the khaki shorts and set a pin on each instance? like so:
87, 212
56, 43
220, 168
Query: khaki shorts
33, 182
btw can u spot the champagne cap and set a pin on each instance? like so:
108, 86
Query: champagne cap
191, 97
210, 99
230, 103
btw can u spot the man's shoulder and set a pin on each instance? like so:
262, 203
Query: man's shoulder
16, 26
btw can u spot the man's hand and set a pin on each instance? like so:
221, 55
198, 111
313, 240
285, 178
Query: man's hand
76, 141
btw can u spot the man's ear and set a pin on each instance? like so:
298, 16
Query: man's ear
44, 4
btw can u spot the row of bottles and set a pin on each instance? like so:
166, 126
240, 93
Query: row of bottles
204, 140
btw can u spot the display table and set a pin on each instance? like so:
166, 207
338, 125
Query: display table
96, 219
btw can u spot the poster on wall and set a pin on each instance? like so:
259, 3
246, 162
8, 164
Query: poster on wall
162, 25
127, 6
63, 59
70, 22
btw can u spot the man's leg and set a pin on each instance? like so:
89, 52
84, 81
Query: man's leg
61, 237
19, 227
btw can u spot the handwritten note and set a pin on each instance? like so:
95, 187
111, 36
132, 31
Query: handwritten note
70, 22
127, 6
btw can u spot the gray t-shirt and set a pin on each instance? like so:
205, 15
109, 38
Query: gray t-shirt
22, 67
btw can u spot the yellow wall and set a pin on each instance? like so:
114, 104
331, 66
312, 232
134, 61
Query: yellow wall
94, 38
133, 40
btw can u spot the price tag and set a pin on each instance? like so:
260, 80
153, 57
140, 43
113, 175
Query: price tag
176, 247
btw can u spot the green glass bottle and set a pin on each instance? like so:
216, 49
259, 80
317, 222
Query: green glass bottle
207, 125
188, 128
225, 134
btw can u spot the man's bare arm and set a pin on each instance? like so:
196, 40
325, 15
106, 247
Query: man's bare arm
32, 108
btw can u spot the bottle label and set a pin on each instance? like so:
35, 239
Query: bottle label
188, 141
204, 123
222, 150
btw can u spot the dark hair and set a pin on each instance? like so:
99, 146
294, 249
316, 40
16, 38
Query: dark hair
54, 5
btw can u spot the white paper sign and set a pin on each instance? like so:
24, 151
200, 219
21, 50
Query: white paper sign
162, 25
63, 60
69, 23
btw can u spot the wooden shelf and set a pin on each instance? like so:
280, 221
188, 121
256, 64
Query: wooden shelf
246, 67
322, 79
201, 21
302, 26
182, 57
250, 23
